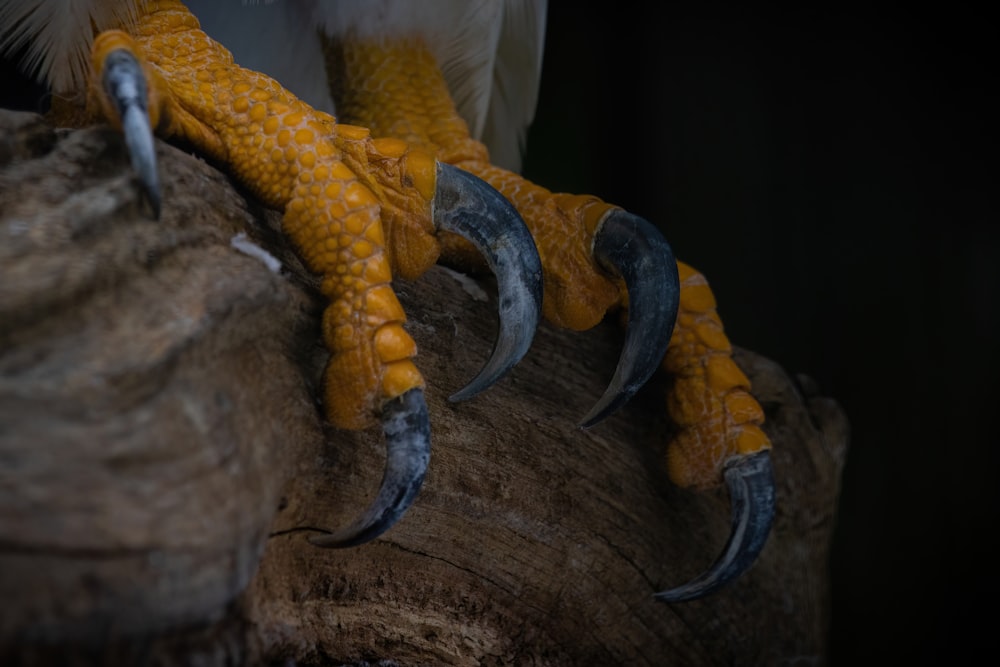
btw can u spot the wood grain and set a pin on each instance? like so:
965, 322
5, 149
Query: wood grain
163, 460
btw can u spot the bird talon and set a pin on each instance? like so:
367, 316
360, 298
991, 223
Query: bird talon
124, 83
406, 427
750, 480
632, 248
302, 165
473, 209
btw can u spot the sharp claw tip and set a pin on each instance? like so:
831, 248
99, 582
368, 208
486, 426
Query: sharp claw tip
464, 394
751, 488
679, 594
336, 541
406, 426
632, 248
468, 206
615, 397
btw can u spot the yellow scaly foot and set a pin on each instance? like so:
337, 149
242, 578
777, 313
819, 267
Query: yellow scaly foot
359, 209
337, 187
581, 242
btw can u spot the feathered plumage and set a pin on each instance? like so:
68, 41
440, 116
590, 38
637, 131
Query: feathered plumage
490, 51
56, 35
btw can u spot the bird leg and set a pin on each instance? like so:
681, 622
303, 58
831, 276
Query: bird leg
340, 190
596, 258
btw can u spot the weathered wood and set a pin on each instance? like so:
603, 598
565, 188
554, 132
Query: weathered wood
163, 460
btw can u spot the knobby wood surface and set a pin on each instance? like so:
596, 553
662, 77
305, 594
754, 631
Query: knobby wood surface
163, 460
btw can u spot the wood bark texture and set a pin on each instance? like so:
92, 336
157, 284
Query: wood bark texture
163, 460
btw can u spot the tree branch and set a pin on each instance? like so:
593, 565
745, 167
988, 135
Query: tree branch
163, 460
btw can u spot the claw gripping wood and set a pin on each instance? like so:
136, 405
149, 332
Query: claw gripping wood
287, 154
395, 87
710, 399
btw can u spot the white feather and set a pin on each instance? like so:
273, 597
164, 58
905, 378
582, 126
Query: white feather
55, 35
243, 243
462, 35
517, 73
490, 51
281, 40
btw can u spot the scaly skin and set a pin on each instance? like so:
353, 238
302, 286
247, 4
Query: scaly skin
335, 184
710, 399
358, 211
396, 89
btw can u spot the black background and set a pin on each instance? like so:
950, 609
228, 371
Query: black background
828, 170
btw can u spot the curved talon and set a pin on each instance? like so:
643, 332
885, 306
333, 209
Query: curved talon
125, 85
631, 247
470, 207
408, 450
751, 490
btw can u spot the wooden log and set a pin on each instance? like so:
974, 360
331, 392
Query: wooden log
163, 460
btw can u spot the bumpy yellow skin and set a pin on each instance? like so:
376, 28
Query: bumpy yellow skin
358, 211
334, 183
395, 88
710, 399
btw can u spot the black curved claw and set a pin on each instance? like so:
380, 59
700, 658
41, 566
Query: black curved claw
473, 209
751, 490
408, 450
125, 84
634, 249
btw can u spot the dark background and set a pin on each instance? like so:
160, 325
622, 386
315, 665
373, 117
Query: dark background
827, 169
